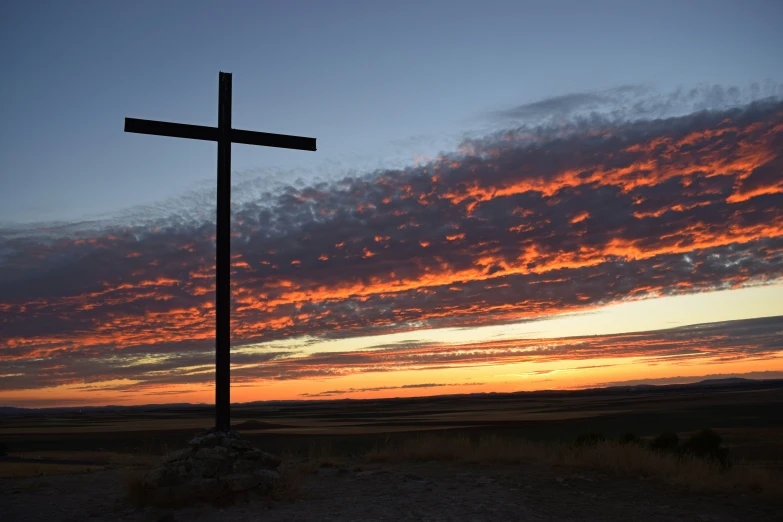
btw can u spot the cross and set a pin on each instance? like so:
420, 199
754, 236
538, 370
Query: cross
224, 135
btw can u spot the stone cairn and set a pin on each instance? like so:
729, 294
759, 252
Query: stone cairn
215, 462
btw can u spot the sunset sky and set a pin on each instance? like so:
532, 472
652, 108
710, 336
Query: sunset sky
501, 200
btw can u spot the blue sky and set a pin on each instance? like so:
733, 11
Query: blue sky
376, 83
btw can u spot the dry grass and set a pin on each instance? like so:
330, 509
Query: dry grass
132, 461
620, 459
323, 456
287, 488
135, 492
138, 495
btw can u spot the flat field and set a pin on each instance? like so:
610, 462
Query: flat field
749, 417
473, 457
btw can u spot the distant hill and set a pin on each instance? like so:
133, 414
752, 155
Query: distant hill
11, 409
730, 382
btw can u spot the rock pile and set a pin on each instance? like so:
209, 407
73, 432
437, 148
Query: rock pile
215, 461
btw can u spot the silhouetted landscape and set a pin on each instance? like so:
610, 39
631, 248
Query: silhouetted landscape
504, 434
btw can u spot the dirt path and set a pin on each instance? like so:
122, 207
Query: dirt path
40, 460
406, 492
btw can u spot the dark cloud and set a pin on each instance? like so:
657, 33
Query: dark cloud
516, 225
629, 102
568, 104
348, 391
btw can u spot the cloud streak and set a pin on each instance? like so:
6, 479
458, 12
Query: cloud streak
749, 339
633, 102
349, 391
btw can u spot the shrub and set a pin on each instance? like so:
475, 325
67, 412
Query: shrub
668, 441
630, 438
707, 444
589, 438
703, 443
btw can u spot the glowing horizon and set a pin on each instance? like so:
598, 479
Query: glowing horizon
488, 376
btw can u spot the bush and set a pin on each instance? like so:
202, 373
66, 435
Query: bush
668, 441
589, 438
703, 443
630, 438
706, 444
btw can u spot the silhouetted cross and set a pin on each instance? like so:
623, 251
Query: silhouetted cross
224, 135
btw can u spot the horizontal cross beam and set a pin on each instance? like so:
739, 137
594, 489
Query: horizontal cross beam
199, 132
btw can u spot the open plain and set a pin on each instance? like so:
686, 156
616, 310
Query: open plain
347, 459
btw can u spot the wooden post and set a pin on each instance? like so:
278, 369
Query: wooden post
223, 260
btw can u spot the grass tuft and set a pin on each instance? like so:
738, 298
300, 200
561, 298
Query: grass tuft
289, 486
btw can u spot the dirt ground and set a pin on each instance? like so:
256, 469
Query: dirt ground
406, 492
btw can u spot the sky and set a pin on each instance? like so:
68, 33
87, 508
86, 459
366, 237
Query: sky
519, 196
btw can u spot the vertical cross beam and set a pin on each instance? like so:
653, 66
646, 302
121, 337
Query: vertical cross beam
223, 259
224, 135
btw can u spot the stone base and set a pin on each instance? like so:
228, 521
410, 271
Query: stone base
215, 461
